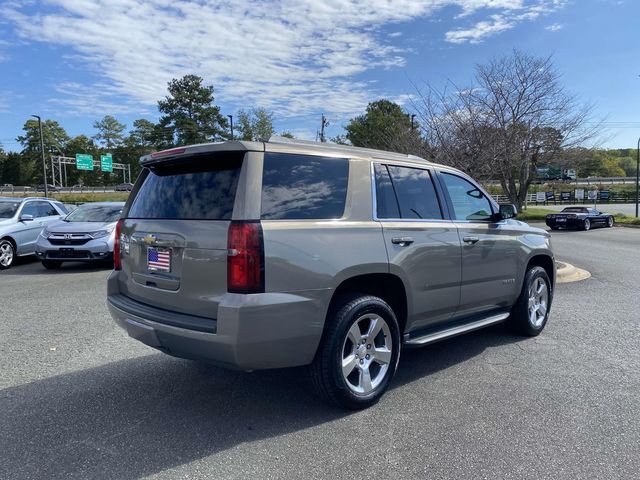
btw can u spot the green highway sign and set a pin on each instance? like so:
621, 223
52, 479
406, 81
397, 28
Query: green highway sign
106, 163
84, 161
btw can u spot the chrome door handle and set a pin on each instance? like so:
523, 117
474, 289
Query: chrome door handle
402, 241
470, 239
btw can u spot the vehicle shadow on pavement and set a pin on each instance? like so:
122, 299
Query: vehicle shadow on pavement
33, 266
140, 416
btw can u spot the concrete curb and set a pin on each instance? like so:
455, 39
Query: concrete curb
567, 273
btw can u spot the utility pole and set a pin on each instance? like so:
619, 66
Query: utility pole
413, 116
323, 124
231, 119
638, 176
44, 165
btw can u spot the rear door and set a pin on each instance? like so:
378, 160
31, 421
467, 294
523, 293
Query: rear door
489, 248
174, 233
423, 247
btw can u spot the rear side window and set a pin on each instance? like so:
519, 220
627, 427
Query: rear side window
386, 201
299, 187
415, 193
202, 188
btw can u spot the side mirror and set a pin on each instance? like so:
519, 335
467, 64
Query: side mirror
508, 210
26, 218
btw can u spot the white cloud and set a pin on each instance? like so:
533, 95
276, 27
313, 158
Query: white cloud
509, 17
555, 27
291, 56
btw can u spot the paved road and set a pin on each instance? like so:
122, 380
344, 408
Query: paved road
78, 399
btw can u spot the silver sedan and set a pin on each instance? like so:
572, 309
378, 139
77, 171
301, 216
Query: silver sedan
86, 234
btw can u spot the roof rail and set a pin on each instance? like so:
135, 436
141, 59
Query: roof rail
369, 152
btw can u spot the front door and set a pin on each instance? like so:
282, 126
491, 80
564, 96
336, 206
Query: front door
489, 248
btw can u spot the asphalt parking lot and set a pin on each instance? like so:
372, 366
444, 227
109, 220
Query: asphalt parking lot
78, 399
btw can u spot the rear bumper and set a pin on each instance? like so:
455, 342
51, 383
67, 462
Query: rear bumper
251, 332
570, 223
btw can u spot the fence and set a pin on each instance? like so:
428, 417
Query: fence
568, 197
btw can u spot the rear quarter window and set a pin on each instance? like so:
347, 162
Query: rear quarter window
202, 188
298, 187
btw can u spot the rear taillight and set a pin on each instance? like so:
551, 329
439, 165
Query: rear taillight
245, 261
117, 246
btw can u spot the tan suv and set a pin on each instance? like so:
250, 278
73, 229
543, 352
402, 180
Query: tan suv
257, 255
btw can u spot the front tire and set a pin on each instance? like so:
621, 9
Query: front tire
7, 254
609, 222
359, 353
531, 312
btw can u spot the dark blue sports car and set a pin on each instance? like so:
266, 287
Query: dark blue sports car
579, 218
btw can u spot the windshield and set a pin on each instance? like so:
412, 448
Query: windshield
8, 209
95, 213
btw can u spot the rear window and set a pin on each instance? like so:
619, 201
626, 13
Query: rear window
299, 187
203, 188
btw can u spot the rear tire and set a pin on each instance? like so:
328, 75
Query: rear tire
359, 353
51, 264
586, 225
555, 228
531, 312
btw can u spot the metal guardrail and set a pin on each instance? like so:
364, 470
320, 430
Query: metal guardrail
27, 190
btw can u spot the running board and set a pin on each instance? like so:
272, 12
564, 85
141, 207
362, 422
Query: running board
456, 330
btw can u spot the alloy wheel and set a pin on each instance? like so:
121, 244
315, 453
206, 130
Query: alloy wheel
366, 353
538, 302
6, 254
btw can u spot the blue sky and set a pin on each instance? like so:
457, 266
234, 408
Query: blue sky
78, 60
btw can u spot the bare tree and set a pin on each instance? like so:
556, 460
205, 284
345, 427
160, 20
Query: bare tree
514, 117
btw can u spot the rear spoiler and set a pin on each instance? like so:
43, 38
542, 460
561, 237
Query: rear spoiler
178, 153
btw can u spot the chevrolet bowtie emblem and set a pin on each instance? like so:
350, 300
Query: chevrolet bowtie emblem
149, 239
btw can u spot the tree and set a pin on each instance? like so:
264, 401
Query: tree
287, 134
189, 114
54, 139
384, 126
516, 116
255, 124
11, 170
110, 132
144, 133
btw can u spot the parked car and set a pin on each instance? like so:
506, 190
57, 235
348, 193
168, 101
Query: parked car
50, 187
85, 235
124, 187
283, 253
21, 220
579, 218
77, 188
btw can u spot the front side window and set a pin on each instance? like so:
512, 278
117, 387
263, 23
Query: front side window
30, 208
469, 203
299, 187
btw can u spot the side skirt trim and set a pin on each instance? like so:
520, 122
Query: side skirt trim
452, 331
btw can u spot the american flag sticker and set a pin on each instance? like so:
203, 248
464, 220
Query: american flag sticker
159, 259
